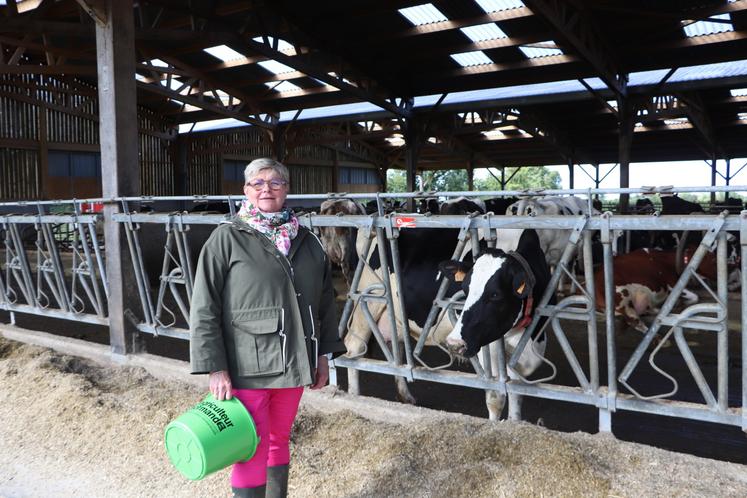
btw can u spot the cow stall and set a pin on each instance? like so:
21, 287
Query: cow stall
43, 277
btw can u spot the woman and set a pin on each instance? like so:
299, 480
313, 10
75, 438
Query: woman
262, 320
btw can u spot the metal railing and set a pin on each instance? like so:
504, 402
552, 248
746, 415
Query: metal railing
40, 277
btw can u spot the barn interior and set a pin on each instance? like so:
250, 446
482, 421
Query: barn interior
343, 92
105, 99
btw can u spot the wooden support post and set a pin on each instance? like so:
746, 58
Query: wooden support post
713, 178
383, 172
120, 176
503, 178
412, 142
626, 112
278, 143
471, 174
571, 178
727, 179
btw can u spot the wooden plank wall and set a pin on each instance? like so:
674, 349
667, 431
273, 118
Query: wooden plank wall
39, 114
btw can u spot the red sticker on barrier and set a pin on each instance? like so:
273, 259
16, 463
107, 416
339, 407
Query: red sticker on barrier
403, 222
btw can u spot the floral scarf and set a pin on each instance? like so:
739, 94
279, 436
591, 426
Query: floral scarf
280, 228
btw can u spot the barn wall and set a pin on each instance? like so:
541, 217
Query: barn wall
215, 161
42, 116
206, 153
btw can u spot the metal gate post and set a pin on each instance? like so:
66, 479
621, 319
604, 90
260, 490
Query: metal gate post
723, 334
608, 408
743, 247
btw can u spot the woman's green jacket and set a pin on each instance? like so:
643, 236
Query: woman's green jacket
262, 316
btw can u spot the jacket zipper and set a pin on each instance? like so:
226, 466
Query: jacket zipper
314, 339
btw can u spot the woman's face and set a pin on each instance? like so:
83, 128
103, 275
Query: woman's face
267, 199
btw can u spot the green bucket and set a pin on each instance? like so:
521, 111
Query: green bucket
210, 436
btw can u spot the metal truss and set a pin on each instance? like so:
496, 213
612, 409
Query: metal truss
540, 127
575, 26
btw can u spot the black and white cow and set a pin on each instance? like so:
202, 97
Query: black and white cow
421, 251
553, 242
462, 205
672, 204
501, 288
499, 205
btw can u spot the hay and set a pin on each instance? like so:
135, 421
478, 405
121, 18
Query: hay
72, 428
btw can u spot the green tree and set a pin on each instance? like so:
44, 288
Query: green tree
442, 181
525, 178
396, 181
449, 180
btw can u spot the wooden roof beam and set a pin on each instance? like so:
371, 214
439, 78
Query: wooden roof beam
580, 32
202, 104
313, 71
539, 127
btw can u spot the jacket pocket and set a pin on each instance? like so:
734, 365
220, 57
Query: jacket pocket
260, 342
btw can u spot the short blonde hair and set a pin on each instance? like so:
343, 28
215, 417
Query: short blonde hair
253, 168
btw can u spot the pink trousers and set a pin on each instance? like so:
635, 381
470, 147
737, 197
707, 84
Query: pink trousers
273, 411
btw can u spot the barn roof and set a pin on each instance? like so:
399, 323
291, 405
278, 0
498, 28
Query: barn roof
499, 82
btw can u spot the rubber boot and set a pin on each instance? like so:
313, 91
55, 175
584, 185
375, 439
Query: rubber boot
277, 481
258, 492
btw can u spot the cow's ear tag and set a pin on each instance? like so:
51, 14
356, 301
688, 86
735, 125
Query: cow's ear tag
459, 276
520, 290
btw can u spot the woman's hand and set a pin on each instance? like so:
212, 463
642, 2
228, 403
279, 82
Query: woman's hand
220, 385
322, 373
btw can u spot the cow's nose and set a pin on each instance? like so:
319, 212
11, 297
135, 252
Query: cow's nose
456, 346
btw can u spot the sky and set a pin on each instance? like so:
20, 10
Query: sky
676, 173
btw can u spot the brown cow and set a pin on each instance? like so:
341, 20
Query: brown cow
339, 242
643, 280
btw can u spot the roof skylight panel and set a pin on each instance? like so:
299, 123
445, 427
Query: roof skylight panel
476, 58
275, 67
498, 5
175, 85
738, 92
282, 45
423, 14
542, 49
483, 32
156, 63
709, 26
224, 53
283, 86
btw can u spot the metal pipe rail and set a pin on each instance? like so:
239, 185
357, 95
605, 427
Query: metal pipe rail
60, 284
50, 288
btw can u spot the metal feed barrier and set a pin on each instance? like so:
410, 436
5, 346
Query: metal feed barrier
69, 283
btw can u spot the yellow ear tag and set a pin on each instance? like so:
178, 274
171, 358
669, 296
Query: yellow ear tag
521, 288
459, 276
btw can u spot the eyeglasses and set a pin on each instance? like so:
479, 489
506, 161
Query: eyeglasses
258, 185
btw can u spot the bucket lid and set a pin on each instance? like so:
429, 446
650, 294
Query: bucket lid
185, 451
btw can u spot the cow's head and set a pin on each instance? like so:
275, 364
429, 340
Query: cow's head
497, 289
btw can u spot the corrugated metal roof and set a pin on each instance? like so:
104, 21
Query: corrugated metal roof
703, 28
537, 50
498, 5
283, 86
423, 14
275, 67
482, 32
476, 58
693, 73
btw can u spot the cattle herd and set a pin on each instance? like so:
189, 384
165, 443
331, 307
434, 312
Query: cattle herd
501, 284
